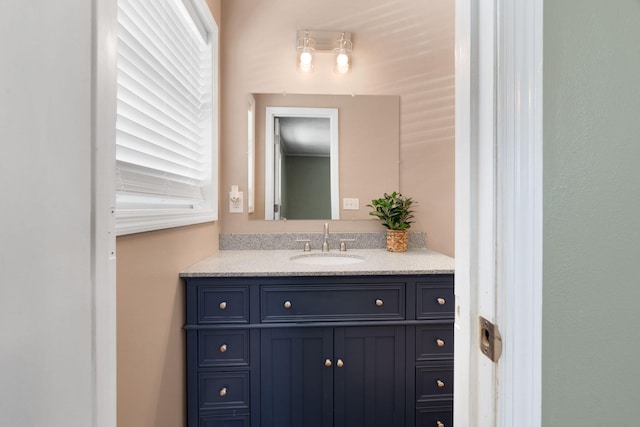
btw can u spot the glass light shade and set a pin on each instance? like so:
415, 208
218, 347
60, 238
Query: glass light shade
305, 61
342, 63
304, 47
343, 54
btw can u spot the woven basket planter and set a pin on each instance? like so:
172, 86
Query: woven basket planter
397, 240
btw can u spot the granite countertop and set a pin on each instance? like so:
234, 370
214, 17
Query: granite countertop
238, 263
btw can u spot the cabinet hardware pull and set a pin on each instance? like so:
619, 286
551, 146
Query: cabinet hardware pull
223, 392
440, 343
223, 305
379, 302
287, 304
439, 424
441, 301
327, 363
223, 348
440, 384
339, 363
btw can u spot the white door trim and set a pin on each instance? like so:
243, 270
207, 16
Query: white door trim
270, 116
498, 210
103, 233
519, 221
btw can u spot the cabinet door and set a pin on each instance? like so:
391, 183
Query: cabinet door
369, 376
296, 383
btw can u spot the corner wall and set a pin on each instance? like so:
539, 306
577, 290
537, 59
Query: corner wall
151, 314
591, 339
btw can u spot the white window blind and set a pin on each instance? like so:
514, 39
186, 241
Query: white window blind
165, 110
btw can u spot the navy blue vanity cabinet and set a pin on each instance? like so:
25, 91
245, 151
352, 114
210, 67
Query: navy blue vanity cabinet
323, 377
219, 357
327, 351
434, 351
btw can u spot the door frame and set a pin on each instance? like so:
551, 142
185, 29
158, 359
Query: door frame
499, 210
322, 113
103, 225
517, 397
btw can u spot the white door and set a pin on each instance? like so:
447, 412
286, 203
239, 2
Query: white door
277, 168
498, 210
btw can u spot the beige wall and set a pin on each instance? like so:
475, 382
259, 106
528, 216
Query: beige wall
401, 47
150, 316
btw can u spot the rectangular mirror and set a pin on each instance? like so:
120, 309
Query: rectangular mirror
334, 152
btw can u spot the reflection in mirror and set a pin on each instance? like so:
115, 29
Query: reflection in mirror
301, 167
366, 161
251, 155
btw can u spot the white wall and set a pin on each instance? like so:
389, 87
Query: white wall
591, 340
45, 241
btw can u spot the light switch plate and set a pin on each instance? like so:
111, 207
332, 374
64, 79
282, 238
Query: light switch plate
350, 204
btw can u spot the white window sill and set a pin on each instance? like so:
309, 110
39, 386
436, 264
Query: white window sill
132, 221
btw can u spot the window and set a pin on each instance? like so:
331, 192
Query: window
166, 125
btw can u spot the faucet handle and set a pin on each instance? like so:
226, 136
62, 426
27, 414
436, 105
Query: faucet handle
307, 244
343, 244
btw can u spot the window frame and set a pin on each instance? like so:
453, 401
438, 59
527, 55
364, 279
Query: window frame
137, 220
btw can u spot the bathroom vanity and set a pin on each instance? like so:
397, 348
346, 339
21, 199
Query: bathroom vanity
274, 343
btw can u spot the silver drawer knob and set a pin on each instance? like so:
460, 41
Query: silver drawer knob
287, 304
223, 392
223, 348
379, 302
223, 305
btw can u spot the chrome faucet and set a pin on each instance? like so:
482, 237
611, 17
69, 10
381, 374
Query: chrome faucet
325, 243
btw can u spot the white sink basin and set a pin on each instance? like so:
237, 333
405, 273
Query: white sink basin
327, 259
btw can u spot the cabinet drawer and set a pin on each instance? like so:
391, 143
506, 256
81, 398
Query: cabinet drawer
331, 302
228, 420
223, 390
223, 347
434, 342
217, 304
435, 300
434, 382
434, 417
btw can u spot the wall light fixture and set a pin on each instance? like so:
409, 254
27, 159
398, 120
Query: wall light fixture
309, 42
343, 54
305, 46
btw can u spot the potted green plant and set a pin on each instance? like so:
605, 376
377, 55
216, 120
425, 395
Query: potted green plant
394, 210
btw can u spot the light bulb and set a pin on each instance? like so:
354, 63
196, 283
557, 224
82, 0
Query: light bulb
342, 59
342, 63
305, 58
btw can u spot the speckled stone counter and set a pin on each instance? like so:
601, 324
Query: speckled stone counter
239, 263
